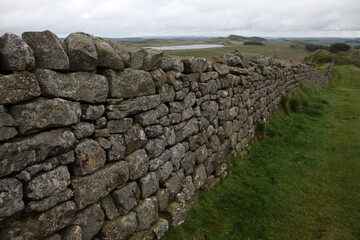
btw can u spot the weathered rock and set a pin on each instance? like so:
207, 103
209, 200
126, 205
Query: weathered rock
201, 154
45, 113
223, 70
173, 184
100, 123
199, 176
92, 112
164, 171
152, 59
188, 188
149, 184
147, 118
177, 153
104, 143
11, 197
167, 93
72, 233
18, 87
154, 131
109, 207
137, 58
89, 189
42, 225
121, 51
49, 202
143, 235
78, 86
48, 50
81, 50
159, 77
91, 219
54, 236
188, 163
15, 54
7, 133
132, 106
163, 199
159, 161
193, 65
191, 128
120, 228
83, 129
172, 63
119, 126
160, 228
138, 164
40, 186
155, 147
147, 213
169, 134
107, 56
117, 150
89, 157
209, 109
134, 138
126, 198
177, 213
18, 154
130, 83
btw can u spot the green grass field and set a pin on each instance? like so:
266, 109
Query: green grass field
301, 182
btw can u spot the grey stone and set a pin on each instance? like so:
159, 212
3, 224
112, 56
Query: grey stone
177, 213
138, 164
100, 123
117, 150
89, 157
121, 51
152, 59
109, 207
191, 128
199, 176
159, 77
107, 56
49, 202
188, 188
201, 154
192, 65
119, 126
126, 198
18, 87
48, 50
120, 228
164, 171
41, 225
159, 161
92, 112
11, 197
130, 83
54, 236
72, 233
15, 54
160, 228
104, 143
132, 106
101, 133
83, 129
177, 153
186, 114
189, 100
204, 77
81, 50
143, 235
232, 60
7, 133
40, 186
209, 109
147, 118
78, 86
134, 138
167, 93
172, 63
170, 135
45, 113
89, 189
173, 184
154, 131
149, 184
180, 95
188, 163
137, 58
163, 199
147, 213
223, 70
155, 146
91, 219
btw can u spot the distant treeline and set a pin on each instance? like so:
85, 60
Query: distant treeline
253, 43
334, 48
314, 47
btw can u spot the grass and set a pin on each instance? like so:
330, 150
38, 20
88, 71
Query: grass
301, 182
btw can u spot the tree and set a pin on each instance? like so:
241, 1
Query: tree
336, 47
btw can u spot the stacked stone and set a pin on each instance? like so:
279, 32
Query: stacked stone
98, 141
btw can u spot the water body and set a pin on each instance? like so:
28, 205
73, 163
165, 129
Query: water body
186, 47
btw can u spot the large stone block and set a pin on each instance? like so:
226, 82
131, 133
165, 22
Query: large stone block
120, 228
90, 156
209, 109
172, 63
72, 233
119, 126
199, 176
79, 86
126, 198
91, 219
147, 213
155, 147
134, 138
45, 113
130, 83
177, 213
138, 164
193, 65
41, 225
173, 184
11, 197
89, 189
40, 186
117, 149
92, 112
18, 87
18, 154
160, 228
109, 207
81, 50
149, 184
49, 202
107, 56
15, 54
48, 50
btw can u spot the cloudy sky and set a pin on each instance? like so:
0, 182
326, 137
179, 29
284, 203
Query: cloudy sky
131, 18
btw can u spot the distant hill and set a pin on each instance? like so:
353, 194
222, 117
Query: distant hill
242, 38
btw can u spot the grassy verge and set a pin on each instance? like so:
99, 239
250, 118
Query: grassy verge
301, 182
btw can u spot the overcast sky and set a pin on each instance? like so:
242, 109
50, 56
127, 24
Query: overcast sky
131, 18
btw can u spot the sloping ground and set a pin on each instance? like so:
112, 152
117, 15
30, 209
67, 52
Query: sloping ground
301, 182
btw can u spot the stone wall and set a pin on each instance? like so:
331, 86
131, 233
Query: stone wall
101, 141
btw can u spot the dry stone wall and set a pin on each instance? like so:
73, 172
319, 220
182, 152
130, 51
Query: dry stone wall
99, 141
